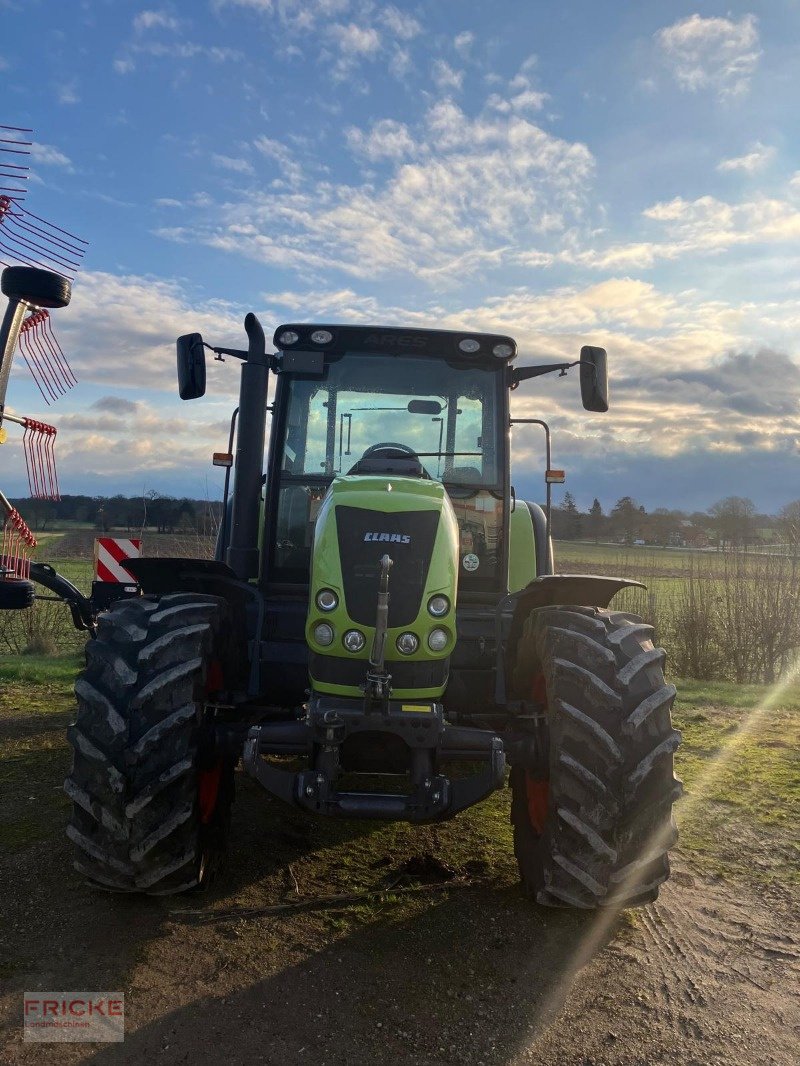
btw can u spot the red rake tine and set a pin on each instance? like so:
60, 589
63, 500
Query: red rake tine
49, 442
40, 457
26, 336
24, 239
35, 231
50, 339
36, 337
27, 439
5, 545
32, 364
47, 354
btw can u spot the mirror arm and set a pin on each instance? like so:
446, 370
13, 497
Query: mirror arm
523, 373
237, 352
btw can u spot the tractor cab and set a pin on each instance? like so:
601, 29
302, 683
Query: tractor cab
424, 404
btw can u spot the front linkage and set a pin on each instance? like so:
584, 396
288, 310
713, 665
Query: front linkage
420, 729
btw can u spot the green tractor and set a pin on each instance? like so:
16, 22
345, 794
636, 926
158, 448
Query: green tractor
380, 607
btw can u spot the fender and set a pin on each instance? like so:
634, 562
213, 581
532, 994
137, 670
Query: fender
585, 590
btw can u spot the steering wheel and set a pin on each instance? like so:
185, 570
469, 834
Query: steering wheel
392, 446
389, 446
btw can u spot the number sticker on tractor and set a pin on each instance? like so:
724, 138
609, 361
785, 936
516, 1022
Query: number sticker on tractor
470, 561
416, 708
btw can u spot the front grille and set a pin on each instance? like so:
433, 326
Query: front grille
338, 670
360, 560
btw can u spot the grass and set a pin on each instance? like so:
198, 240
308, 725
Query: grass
36, 705
742, 776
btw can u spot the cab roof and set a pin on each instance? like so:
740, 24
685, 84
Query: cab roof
440, 343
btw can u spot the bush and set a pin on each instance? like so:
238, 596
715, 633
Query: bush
726, 617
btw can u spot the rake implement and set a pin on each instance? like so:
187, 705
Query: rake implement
38, 444
13, 165
17, 541
40, 261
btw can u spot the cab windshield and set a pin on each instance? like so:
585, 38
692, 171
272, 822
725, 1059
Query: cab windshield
444, 413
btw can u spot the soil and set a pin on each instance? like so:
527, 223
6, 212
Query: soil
464, 971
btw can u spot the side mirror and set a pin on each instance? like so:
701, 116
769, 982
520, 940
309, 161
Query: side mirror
594, 378
191, 366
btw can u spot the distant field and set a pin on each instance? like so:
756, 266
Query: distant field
609, 558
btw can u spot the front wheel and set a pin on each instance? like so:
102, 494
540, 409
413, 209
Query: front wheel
151, 796
595, 830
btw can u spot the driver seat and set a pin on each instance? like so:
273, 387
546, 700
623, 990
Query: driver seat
389, 461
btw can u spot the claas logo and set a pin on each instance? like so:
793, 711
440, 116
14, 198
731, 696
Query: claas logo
389, 538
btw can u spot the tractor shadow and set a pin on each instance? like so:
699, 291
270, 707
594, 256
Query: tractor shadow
473, 977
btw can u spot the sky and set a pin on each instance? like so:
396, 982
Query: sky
572, 173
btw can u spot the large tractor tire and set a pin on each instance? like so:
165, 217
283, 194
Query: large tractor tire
595, 830
151, 797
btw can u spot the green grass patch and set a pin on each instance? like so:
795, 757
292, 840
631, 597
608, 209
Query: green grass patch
59, 670
36, 705
739, 763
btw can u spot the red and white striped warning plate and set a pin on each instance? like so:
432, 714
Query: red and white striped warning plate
110, 554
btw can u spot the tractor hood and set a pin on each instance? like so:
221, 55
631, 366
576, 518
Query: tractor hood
362, 519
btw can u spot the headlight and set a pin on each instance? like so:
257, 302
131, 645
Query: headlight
437, 639
288, 337
323, 634
469, 345
322, 336
502, 351
354, 640
438, 606
327, 600
407, 643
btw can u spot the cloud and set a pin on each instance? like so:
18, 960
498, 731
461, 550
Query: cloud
463, 43
400, 24
68, 93
520, 93
124, 66
154, 20
115, 405
400, 64
703, 226
349, 44
719, 54
471, 189
297, 15
354, 40
386, 139
121, 329
761, 384
347, 33
48, 155
527, 100
187, 50
278, 152
685, 382
236, 165
446, 77
759, 156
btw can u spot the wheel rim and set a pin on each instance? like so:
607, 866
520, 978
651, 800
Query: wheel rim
208, 791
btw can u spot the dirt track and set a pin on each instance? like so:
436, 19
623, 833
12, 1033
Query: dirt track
473, 975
